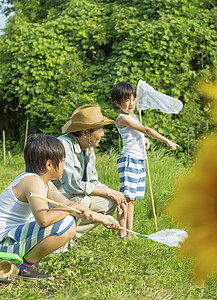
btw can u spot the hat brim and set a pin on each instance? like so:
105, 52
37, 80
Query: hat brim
77, 126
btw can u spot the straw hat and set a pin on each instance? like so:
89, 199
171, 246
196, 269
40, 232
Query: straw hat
86, 117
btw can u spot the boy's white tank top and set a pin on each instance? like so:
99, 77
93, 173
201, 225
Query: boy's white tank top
13, 212
133, 141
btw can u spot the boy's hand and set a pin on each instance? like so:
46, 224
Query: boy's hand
86, 213
172, 145
113, 224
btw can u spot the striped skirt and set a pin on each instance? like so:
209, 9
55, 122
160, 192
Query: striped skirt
13, 242
132, 176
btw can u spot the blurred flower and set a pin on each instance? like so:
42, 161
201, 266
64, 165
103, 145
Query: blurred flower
209, 90
195, 202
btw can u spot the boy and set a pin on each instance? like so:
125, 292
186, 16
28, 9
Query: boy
50, 228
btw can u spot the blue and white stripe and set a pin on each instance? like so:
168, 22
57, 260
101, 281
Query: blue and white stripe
13, 242
132, 176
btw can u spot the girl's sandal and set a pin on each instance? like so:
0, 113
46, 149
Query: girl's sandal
120, 237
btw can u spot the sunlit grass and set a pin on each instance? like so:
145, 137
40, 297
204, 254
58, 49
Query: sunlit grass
104, 267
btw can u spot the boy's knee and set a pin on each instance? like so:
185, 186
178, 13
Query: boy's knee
69, 234
65, 226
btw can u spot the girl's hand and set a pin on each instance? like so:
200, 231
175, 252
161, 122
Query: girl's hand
147, 144
113, 224
172, 145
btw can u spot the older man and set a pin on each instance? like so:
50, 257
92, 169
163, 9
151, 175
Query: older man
80, 181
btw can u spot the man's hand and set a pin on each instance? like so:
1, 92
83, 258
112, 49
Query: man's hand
110, 222
117, 197
119, 201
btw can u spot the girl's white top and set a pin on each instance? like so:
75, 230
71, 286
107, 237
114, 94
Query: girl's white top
13, 212
133, 140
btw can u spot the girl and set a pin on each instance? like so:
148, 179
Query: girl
131, 160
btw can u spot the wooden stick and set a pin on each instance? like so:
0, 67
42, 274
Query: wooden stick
151, 193
26, 133
4, 148
150, 186
66, 206
75, 210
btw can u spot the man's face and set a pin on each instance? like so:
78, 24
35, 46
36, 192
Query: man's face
96, 136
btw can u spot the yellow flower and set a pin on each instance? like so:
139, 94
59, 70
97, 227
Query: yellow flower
195, 202
209, 90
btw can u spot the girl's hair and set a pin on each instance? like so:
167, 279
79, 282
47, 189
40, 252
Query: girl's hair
39, 148
122, 91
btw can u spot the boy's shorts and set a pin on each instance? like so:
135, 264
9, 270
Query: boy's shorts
13, 242
132, 176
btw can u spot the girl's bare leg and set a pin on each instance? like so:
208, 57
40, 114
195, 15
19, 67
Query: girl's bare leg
123, 221
130, 211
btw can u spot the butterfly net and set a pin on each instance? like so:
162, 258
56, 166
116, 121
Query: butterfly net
148, 97
169, 237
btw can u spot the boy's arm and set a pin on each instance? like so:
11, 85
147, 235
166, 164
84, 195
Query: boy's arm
42, 214
54, 194
46, 216
126, 121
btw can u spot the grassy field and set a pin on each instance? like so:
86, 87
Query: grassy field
104, 267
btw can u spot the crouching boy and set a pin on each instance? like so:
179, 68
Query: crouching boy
28, 227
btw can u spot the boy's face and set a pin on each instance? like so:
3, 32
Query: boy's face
58, 171
127, 106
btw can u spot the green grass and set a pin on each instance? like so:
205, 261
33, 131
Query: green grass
104, 267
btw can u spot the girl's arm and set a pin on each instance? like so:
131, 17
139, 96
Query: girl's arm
126, 121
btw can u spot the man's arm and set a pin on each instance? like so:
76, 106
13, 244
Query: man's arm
117, 197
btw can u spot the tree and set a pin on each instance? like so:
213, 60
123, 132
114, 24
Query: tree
57, 55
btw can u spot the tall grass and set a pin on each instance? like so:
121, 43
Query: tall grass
105, 267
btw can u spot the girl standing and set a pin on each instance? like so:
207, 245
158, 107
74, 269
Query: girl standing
131, 160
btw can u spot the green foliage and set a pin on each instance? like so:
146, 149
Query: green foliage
45, 75
57, 55
104, 267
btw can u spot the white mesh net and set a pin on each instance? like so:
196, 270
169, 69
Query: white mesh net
169, 237
148, 97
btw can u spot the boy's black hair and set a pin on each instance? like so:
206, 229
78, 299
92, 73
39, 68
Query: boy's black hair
122, 91
39, 148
